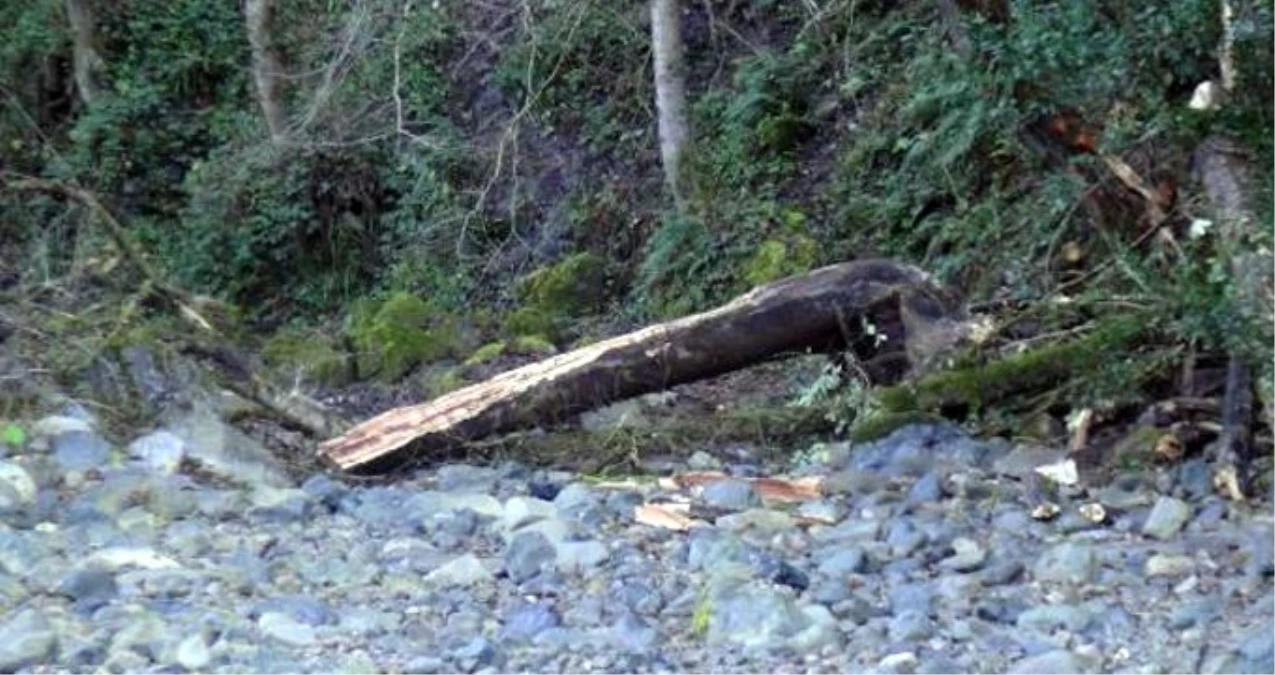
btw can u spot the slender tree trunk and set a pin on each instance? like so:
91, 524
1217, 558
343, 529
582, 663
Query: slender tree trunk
266, 67
87, 61
1230, 179
670, 94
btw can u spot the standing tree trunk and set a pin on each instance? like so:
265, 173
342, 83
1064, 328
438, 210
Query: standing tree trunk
1226, 170
670, 94
266, 68
87, 61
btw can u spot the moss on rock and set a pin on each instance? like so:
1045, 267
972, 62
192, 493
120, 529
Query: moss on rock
781, 257
553, 295
486, 353
314, 356
400, 333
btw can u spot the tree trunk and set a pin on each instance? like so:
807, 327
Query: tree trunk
1231, 179
1227, 174
266, 68
670, 94
888, 315
87, 61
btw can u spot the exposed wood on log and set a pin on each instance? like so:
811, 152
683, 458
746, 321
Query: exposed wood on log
831, 308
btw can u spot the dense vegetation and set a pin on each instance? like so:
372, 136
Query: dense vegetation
466, 174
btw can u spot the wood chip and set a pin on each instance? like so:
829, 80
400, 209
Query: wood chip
666, 516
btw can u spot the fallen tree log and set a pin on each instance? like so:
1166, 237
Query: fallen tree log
892, 318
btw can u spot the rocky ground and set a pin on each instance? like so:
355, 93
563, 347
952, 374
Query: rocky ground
179, 552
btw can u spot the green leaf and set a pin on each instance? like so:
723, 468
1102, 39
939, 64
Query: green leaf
13, 435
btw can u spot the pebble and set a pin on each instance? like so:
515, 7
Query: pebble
480, 570
1167, 517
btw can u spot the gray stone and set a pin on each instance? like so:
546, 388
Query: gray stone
224, 451
904, 538
280, 505
1167, 518
10, 500
279, 626
1046, 618
1066, 563
753, 617
26, 639
1056, 662
18, 480
927, 489
302, 608
519, 511
910, 626
1023, 460
476, 654
1169, 565
466, 570
632, 635
1194, 613
53, 426
911, 598
703, 461
527, 554
822, 510
578, 557
192, 653
1195, 478
1001, 572
524, 624
967, 556
92, 586
80, 451
733, 495
844, 561
161, 451
466, 478
622, 415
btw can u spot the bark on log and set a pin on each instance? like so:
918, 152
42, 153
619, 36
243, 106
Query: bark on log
890, 316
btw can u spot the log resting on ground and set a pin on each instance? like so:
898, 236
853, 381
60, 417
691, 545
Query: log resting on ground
891, 317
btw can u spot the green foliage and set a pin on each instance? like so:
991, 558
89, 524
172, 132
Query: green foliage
13, 435
574, 284
532, 345
263, 227
941, 170
553, 295
1102, 367
439, 381
680, 268
395, 335
485, 353
777, 258
583, 52
306, 355
748, 134
177, 89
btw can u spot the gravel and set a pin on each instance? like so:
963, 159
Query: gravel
923, 556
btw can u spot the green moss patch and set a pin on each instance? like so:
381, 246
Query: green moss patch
1037, 370
553, 295
400, 333
794, 253
314, 356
